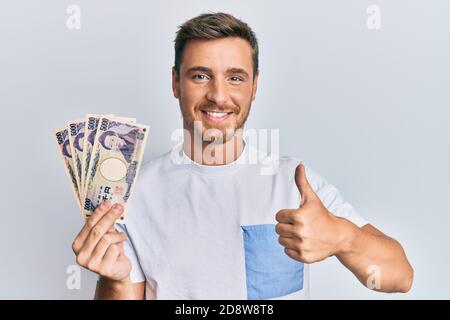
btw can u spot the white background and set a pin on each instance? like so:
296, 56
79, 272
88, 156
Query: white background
367, 109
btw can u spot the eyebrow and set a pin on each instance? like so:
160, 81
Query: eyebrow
209, 70
237, 70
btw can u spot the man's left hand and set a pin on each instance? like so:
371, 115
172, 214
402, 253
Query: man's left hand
311, 233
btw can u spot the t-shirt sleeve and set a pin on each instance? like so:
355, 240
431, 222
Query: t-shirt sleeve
136, 275
332, 199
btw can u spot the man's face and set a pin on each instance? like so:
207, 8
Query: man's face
216, 84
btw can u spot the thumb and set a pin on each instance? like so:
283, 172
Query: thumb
306, 191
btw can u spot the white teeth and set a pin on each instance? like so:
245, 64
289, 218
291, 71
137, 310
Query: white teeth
216, 114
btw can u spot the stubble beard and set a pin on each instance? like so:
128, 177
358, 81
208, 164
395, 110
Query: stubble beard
211, 134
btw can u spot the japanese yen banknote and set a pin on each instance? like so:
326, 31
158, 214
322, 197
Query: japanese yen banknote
102, 155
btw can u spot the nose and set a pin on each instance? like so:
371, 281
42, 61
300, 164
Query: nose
217, 93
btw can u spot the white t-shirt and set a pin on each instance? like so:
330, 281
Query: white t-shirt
208, 232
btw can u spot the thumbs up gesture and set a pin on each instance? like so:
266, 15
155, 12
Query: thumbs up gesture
310, 233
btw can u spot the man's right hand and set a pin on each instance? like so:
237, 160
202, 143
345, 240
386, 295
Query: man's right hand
99, 247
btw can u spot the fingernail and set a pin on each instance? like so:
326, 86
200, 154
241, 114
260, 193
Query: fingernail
118, 208
106, 203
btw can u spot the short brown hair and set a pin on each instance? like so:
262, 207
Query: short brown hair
214, 26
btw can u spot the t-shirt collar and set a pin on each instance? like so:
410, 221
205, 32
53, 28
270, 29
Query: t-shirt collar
183, 159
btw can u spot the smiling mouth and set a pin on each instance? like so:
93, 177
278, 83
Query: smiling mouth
216, 115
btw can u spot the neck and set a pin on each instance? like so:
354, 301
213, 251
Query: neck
211, 153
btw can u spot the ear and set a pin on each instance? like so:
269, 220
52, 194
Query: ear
175, 84
255, 85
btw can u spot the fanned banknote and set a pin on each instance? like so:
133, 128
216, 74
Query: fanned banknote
91, 125
90, 131
76, 139
62, 139
102, 161
115, 161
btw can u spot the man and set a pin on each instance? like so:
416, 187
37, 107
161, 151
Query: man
212, 226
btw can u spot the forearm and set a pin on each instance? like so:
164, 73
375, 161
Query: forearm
114, 290
376, 259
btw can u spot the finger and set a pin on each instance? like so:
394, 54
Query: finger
306, 191
111, 256
285, 229
110, 238
99, 212
99, 230
294, 254
285, 216
288, 243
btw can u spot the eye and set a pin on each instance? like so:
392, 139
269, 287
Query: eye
236, 79
200, 77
